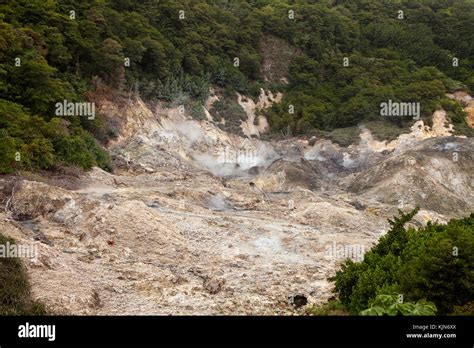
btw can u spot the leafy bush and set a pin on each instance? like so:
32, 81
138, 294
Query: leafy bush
197, 111
437, 264
467, 309
15, 296
229, 109
7, 152
82, 150
344, 136
390, 305
332, 307
433, 263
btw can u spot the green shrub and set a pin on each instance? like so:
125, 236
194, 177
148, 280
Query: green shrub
390, 305
433, 263
438, 264
229, 109
344, 136
7, 152
332, 307
15, 296
197, 111
467, 309
82, 150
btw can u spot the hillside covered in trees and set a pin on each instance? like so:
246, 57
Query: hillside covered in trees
347, 57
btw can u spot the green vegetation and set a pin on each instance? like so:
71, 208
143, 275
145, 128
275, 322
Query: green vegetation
392, 305
229, 109
15, 296
412, 271
332, 307
58, 50
405, 60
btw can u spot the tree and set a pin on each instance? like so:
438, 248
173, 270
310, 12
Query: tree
111, 62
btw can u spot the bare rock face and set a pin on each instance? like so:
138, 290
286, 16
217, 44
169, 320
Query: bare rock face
294, 174
437, 174
170, 232
254, 126
157, 246
213, 285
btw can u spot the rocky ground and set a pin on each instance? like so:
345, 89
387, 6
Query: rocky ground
175, 230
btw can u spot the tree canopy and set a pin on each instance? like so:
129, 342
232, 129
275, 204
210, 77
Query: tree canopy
54, 50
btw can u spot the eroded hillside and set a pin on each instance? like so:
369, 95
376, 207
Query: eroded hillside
196, 220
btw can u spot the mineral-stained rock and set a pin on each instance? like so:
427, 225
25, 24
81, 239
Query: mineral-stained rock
161, 235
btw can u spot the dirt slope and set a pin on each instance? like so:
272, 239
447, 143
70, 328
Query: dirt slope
175, 232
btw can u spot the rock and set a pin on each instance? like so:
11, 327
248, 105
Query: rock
358, 205
213, 285
298, 300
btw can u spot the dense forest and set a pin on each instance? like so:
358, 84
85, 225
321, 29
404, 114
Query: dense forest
347, 57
